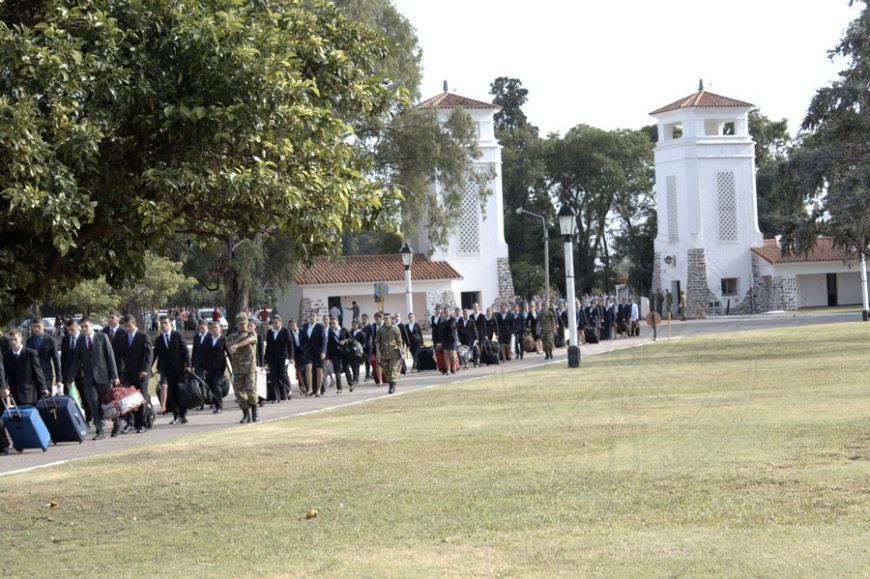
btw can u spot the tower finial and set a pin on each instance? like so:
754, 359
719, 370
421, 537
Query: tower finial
700, 85
445, 86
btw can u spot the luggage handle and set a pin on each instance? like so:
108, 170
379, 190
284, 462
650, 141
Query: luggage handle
6, 404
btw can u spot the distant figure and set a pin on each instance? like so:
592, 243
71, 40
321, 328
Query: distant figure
337, 312
354, 310
683, 305
669, 302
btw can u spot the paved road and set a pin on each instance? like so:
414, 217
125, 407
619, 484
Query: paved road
203, 422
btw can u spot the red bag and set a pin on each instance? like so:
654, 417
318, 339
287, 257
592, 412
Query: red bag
121, 400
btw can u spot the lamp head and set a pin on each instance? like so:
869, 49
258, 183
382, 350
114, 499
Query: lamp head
407, 255
567, 221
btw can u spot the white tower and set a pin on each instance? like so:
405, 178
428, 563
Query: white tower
706, 202
477, 248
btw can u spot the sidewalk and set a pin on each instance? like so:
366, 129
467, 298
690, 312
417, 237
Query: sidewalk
205, 421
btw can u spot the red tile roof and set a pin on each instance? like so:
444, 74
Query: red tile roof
823, 250
372, 268
449, 100
701, 99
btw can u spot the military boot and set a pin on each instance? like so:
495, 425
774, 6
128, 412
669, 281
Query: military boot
246, 416
254, 417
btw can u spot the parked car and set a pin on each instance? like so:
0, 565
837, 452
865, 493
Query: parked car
206, 314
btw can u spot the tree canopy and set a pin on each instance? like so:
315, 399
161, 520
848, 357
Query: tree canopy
829, 169
124, 123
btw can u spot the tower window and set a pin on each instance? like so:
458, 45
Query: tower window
469, 222
727, 197
673, 131
673, 218
728, 128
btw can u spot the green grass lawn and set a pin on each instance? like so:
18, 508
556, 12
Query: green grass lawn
745, 454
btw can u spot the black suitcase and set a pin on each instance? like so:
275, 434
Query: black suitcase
488, 358
63, 419
426, 359
559, 337
190, 392
591, 335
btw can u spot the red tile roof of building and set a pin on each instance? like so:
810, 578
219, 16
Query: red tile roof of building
373, 268
449, 100
823, 250
702, 99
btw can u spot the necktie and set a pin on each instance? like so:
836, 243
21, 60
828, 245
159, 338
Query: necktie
90, 345
130, 339
166, 339
112, 333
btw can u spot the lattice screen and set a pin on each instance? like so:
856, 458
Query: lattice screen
673, 218
469, 222
727, 196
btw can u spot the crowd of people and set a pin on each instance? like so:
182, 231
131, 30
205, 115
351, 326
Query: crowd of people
321, 352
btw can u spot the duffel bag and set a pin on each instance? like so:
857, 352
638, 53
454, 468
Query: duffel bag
121, 400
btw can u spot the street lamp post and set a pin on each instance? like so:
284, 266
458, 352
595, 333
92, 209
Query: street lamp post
407, 258
520, 211
866, 310
568, 226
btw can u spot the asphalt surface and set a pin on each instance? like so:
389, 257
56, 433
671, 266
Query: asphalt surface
205, 421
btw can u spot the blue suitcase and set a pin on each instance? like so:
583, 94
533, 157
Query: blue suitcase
63, 419
25, 427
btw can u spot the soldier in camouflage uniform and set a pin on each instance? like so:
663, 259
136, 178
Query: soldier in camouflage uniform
242, 347
388, 343
548, 330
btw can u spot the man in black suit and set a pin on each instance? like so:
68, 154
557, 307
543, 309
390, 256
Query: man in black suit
215, 364
197, 357
505, 327
67, 346
94, 356
4, 394
24, 378
46, 349
314, 340
368, 345
173, 361
336, 337
413, 336
298, 354
279, 348
116, 335
136, 355
468, 337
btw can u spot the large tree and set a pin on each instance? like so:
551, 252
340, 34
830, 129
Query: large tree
124, 123
830, 168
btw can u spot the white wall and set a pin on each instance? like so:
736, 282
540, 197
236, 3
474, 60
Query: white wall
812, 290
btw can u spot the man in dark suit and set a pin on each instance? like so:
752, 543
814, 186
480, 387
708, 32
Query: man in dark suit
197, 357
4, 394
279, 348
215, 364
24, 378
368, 345
67, 345
298, 353
336, 337
136, 355
173, 361
46, 349
94, 356
314, 339
469, 338
505, 327
116, 335
413, 336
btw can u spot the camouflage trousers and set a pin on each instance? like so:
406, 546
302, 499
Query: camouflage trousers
245, 389
390, 369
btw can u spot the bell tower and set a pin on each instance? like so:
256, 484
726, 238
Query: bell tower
706, 203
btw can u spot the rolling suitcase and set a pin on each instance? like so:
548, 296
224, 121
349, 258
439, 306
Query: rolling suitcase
25, 427
63, 419
426, 359
591, 335
439, 359
489, 353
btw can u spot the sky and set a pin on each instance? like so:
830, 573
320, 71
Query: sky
607, 64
